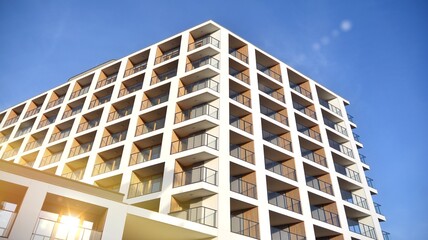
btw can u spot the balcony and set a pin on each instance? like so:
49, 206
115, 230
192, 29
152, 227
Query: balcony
60, 135
363, 158
370, 182
362, 229
278, 234
150, 126
301, 90
377, 208
128, 90
274, 115
244, 227
202, 62
145, 155
241, 124
341, 148
195, 175
7, 218
239, 75
194, 141
385, 235
79, 92
99, 101
74, 175
282, 201
119, 113
163, 76
23, 131
32, 112
49, 229
10, 153
277, 140
319, 213
319, 185
56, 102
242, 153
137, 68
273, 93
168, 55
202, 215
330, 107
154, 101
207, 83
80, 149
72, 112
46, 121
106, 81
107, 166
88, 125
113, 138
351, 118
305, 110
33, 144
309, 132
243, 187
238, 55
241, 98
149, 185
269, 72
4, 139
356, 137
335, 126
51, 159
354, 199
197, 111
204, 41
280, 169
11, 121
347, 172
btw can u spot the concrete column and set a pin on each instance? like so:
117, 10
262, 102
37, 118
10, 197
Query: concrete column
115, 223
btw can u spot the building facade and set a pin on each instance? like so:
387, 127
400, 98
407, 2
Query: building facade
202, 136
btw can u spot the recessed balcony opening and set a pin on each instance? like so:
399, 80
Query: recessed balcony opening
75, 170
115, 133
155, 96
283, 195
353, 194
318, 179
11, 197
239, 72
273, 111
146, 180
107, 161
340, 144
239, 94
208, 64
82, 144
334, 123
285, 227
238, 49
146, 149
304, 107
196, 209
101, 97
52, 154
280, 163
81, 86
28, 160
131, 85
108, 75
35, 106
312, 152
241, 147
48, 118
5, 135
271, 88
329, 101
168, 50
25, 128
14, 115
243, 180
164, 72
186, 173
2, 116
308, 128
57, 97
276, 135
90, 120
12, 149
35, 140
61, 131
206, 35
121, 109
299, 84
362, 226
268, 66
73, 108
240, 119
137, 63
324, 209
110, 183
348, 171
151, 122
196, 118
244, 219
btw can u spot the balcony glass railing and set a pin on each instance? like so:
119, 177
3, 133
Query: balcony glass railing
130, 89
154, 101
239, 55
280, 169
203, 62
347, 172
239, 75
274, 115
150, 126
32, 112
319, 213
195, 175
362, 229
341, 148
195, 141
145, 155
363, 158
269, 72
243, 187
48, 229
351, 118
335, 126
241, 98
79, 92
46, 121
7, 219
370, 182
72, 112
148, 185
107, 166
23, 131
114, 138
55, 102
33, 144
197, 111
168, 55
277, 140
385, 235
330, 106
137, 68
278, 234
242, 153
119, 113
356, 137
10, 153
46, 160
282, 201
106, 81
241, 124
273, 93
305, 110
244, 227
163, 76
301, 90
207, 83
99, 101
60, 135
200, 42
202, 215
4, 139
318, 184
354, 199
11, 121
80, 149
377, 207
309, 132
74, 175
88, 125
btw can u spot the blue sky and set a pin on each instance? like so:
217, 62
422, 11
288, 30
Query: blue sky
374, 53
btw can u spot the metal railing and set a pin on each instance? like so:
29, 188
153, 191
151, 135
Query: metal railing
202, 215
356, 137
280, 169
32, 112
279, 234
83, 148
130, 89
163, 76
274, 115
239, 75
309, 132
154, 101
99, 101
347, 172
370, 182
283, 201
277, 140
4, 138
269, 72
107, 166
242, 153
137, 68
241, 124
198, 85
11, 121
195, 141
377, 207
241, 98
10, 153
79, 92
47, 229
354, 199
46, 122
314, 157
341, 148
74, 175
149, 185
238, 55
119, 113
330, 106
318, 184
145, 155
33, 144
305, 110
88, 125
195, 175
301, 90
385, 235
362, 229
362, 158
50, 159
196, 111
335, 126
23, 131
243, 187
204, 41
7, 218
202, 62
106, 81
350, 118
55, 102
319, 213
168, 55
60, 135
244, 227
271, 92
72, 112
150, 126
114, 138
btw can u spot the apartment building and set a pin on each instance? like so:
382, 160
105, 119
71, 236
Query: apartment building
200, 136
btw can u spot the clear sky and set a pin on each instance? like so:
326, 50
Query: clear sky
373, 53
